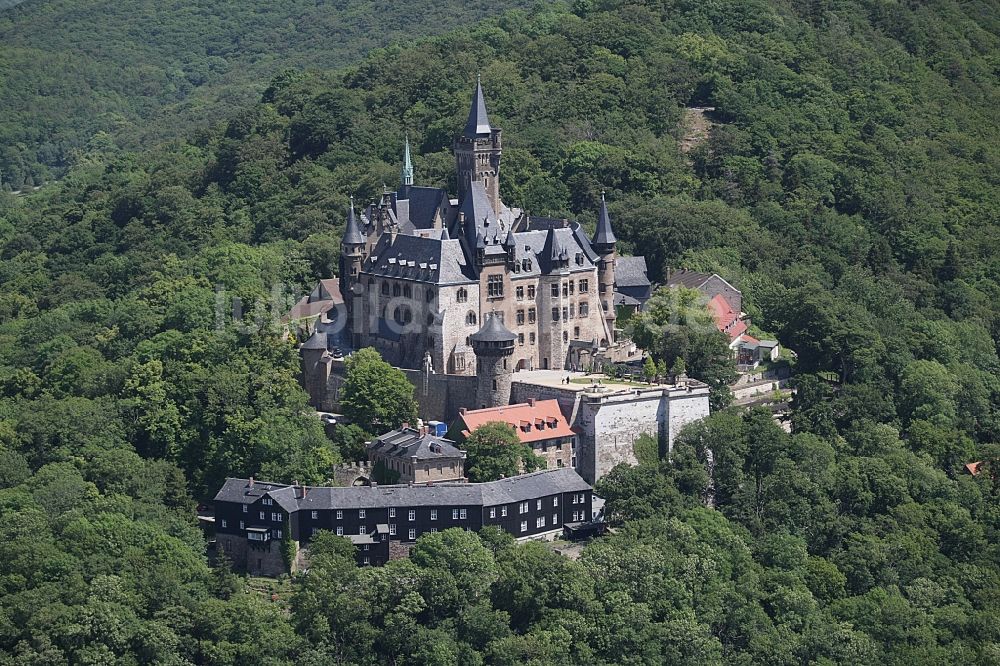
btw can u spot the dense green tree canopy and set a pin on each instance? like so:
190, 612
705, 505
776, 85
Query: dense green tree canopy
847, 186
494, 451
376, 397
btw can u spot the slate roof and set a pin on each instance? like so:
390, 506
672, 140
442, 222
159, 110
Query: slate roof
421, 204
685, 278
409, 443
505, 491
493, 331
478, 124
316, 341
420, 259
631, 272
352, 232
533, 423
604, 235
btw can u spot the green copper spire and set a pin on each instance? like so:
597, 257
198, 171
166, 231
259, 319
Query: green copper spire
406, 173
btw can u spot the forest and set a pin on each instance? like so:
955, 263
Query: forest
848, 187
78, 76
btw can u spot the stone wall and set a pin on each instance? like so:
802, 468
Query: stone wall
439, 397
262, 559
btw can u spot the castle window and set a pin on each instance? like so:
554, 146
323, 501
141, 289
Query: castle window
494, 385
572, 311
565, 290
392, 529
462, 296
579, 258
526, 265
531, 315
531, 291
531, 337
407, 291
494, 286
413, 535
565, 312
576, 332
396, 290
340, 531
584, 309
520, 338
385, 288
584, 286
555, 314
392, 513
470, 319
223, 522
520, 317
429, 295
244, 508
519, 293
572, 285
565, 336
555, 290
524, 525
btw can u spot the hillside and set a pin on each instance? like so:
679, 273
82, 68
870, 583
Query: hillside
80, 76
848, 186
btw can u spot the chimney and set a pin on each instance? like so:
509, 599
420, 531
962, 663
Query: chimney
462, 411
531, 402
406, 425
250, 482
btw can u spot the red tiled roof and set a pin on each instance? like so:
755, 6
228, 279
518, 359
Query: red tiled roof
973, 468
726, 320
521, 416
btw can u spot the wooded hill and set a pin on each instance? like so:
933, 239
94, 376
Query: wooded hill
849, 188
83, 75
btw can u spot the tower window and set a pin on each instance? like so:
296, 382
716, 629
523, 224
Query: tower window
531, 290
531, 315
470, 319
461, 297
555, 314
494, 385
555, 290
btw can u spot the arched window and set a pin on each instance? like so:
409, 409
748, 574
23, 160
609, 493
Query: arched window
407, 291
470, 319
395, 289
462, 295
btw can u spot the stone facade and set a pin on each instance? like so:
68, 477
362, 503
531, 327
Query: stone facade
421, 272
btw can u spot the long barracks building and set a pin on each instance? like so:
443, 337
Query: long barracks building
253, 518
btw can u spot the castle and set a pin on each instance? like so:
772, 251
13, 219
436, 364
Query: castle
481, 305
421, 273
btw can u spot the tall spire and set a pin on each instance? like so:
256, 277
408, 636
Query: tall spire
604, 235
406, 173
352, 232
478, 123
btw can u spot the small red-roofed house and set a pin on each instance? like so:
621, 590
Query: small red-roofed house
973, 468
538, 423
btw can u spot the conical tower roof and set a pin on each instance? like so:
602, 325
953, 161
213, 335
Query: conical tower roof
352, 233
493, 330
316, 341
478, 123
604, 234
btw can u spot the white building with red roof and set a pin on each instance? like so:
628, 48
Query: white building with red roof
538, 423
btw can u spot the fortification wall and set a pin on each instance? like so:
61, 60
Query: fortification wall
439, 397
612, 424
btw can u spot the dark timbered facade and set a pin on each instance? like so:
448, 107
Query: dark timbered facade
252, 518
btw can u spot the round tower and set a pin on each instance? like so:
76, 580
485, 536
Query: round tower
604, 242
493, 345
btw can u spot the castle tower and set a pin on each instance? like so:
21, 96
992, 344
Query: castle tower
477, 151
406, 173
315, 373
604, 245
352, 257
493, 345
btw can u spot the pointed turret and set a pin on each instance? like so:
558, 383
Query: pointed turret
352, 232
604, 245
478, 123
478, 150
604, 234
406, 173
